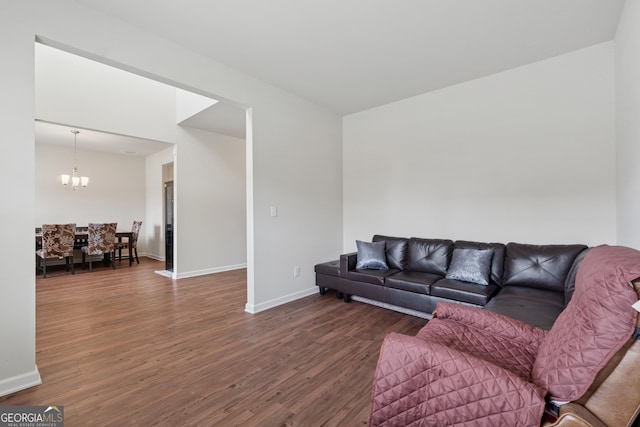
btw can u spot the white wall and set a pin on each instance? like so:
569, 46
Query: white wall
188, 104
627, 60
295, 152
525, 155
17, 287
116, 191
211, 194
300, 174
74, 90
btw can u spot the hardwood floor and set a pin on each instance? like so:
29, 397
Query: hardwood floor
128, 347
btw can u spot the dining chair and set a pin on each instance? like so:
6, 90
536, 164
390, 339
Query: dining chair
81, 237
135, 231
100, 240
57, 243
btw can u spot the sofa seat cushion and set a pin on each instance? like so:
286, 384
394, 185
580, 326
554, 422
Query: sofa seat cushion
536, 307
412, 281
331, 268
375, 277
471, 293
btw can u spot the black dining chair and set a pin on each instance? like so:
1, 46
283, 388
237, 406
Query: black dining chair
135, 231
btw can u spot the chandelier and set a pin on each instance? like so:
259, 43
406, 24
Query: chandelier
75, 181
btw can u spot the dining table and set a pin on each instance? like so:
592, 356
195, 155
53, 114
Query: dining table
82, 234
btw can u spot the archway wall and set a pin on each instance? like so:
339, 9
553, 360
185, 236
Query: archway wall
74, 90
295, 162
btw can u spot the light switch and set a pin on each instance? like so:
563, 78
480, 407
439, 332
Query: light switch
274, 211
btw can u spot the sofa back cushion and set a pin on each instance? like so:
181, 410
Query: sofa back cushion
497, 261
396, 249
429, 255
539, 266
570, 282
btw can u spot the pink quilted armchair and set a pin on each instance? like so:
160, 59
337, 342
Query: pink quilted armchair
471, 367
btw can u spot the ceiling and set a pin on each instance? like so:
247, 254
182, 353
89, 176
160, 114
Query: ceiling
57, 134
223, 117
352, 55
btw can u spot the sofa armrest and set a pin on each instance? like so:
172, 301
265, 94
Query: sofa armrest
348, 262
574, 415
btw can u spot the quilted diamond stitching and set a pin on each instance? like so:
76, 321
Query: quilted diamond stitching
487, 346
596, 323
448, 375
449, 387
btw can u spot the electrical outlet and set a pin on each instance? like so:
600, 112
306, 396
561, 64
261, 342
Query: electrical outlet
296, 271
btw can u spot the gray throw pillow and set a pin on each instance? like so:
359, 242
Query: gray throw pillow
371, 256
471, 265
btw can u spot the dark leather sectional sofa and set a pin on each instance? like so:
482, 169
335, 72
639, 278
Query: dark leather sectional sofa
532, 283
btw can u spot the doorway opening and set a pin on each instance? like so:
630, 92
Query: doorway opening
168, 225
206, 188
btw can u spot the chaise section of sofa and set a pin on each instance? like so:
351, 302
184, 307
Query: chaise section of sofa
538, 282
528, 282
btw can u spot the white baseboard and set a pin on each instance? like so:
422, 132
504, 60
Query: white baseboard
256, 308
20, 382
209, 271
166, 273
152, 256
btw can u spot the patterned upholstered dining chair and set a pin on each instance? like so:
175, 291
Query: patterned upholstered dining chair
135, 231
101, 240
57, 243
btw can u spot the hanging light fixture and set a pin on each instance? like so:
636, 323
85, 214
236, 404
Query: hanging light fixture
74, 181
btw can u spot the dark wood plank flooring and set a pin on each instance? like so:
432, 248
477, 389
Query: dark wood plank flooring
128, 347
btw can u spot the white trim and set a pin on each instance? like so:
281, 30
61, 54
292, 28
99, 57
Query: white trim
209, 271
20, 382
250, 207
152, 256
166, 273
256, 308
